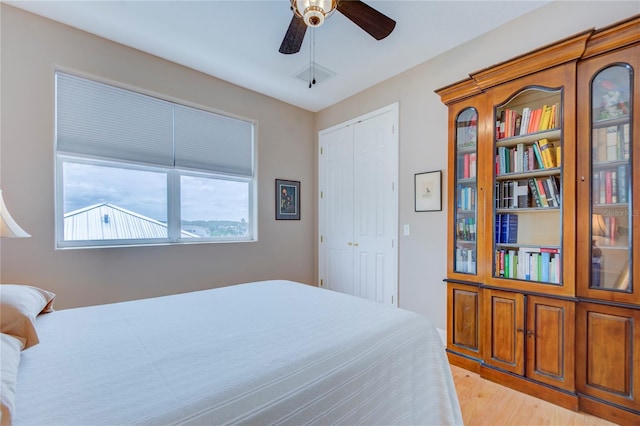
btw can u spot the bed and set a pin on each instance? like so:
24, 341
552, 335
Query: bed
262, 353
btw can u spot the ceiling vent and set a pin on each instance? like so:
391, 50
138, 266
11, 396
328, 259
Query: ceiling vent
314, 71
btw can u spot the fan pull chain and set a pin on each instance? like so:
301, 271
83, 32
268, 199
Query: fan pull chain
312, 58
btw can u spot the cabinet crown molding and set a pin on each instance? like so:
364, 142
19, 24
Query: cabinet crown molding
580, 46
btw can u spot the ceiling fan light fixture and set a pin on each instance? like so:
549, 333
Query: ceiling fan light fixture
313, 12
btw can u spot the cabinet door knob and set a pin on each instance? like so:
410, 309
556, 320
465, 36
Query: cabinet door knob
520, 330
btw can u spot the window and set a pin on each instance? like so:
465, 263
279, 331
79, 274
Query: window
133, 169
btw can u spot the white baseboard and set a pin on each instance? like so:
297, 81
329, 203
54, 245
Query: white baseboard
443, 336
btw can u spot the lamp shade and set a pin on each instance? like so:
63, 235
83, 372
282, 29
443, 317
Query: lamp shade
8, 227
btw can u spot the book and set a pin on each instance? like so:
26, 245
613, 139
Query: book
509, 228
623, 197
551, 202
535, 195
547, 153
614, 187
472, 165
624, 136
545, 259
522, 193
541, 194
525, 254
533, 267
538, 155
500, 125
545, 118
524, 123
595, 188
534, 122
555, 188
612, 143
465, 166
513, 264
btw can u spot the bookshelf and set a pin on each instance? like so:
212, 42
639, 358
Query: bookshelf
608, 316
528, 188
551, 305
531, 214
466, 201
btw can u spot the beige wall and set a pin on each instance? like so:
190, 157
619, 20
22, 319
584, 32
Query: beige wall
32, 47
423, 129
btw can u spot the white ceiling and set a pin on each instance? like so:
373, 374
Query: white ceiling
238, 40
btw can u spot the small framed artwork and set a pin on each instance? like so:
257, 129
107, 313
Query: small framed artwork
287, 199
428, 191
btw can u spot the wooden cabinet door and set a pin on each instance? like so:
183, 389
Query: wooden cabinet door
550, 341
467, 162
608, 190
463, 322
608, 338
504, 330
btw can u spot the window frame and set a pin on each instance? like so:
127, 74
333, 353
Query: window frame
173, 175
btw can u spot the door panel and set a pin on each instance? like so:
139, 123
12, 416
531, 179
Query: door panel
550, 337
463, 334
336, 210
375, 207
609, 338
505, 330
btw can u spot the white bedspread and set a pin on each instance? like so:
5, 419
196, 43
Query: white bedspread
272, 352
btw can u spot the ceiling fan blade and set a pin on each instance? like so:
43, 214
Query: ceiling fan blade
373, 22
294, 36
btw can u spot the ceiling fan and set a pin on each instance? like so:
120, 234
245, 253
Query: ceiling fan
312, 13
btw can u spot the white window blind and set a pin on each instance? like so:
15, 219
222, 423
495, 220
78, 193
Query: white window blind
212, 142
101, 120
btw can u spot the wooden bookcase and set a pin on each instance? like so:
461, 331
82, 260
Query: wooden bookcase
543, 282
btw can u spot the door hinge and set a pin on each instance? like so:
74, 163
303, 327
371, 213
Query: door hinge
321, 194
393, 186
321, 151
321, 283
321, 239
392, 299
393, 243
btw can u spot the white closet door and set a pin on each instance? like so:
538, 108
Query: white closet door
358, 207
375, 208
335, 175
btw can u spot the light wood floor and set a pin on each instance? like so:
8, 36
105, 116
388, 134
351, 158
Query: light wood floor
485, 403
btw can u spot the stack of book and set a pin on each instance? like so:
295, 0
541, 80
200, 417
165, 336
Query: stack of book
465, 260
515, 123
530, 263
542, 154
506, 230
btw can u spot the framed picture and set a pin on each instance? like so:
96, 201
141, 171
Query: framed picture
287, 199
428, 191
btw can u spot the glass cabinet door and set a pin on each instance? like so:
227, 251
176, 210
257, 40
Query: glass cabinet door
528, 187
611, 179
466, 196
608, 196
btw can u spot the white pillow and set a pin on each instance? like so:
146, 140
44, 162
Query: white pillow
19, 307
